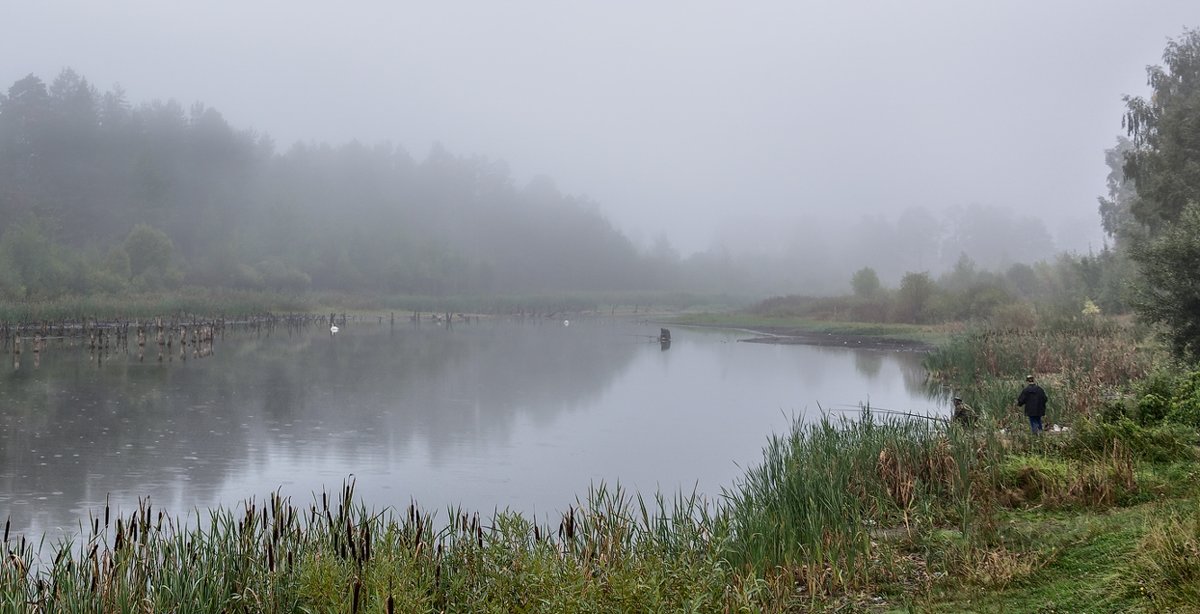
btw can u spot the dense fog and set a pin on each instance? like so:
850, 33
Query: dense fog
403, 148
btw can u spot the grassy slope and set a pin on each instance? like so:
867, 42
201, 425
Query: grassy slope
1079, 550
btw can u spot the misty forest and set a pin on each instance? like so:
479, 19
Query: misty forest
246, 376
104, 195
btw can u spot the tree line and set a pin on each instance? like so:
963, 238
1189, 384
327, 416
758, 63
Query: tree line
100, 195
1153, 210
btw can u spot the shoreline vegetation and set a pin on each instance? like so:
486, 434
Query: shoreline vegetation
215, 303
872, 512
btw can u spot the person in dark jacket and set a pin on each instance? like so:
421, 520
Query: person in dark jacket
1033, 399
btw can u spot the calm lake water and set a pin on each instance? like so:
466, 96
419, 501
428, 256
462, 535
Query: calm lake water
486, 416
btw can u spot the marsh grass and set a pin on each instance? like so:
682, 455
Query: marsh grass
229, 303
1082, 367
811, 509
1166, 563
233, 303
613, 553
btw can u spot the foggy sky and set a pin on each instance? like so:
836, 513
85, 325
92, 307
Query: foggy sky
688, 118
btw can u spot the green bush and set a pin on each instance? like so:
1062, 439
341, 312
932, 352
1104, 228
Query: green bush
1159, 444
1029, 478
1114, 410
1151, 409
1185, 403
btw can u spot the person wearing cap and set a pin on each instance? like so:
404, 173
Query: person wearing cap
963, 415
1033, 399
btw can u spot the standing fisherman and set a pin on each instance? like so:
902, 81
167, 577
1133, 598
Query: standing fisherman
1033, 399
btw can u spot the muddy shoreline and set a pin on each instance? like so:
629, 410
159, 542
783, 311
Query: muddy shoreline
798, 336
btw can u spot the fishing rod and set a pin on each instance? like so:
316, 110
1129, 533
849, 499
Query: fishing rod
892, 412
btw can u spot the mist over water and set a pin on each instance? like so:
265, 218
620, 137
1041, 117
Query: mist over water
490, 415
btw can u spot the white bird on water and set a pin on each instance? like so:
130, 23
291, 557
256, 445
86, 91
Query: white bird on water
566, 322
333, 329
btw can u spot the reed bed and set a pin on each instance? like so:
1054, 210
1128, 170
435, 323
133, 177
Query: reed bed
242, 303
613, 553
232, 303
1083, 366
813, 508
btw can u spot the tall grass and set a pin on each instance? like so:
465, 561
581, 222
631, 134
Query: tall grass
1080, 367
606, 555
1166, 563
810, 509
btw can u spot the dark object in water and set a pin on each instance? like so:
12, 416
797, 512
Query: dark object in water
664, 335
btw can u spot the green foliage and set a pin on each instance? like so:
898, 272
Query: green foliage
1152, 408
1185, 403
220, 207
1170, 290
1158, 444
1163, 163
913, 298
31, 265
1116, 211
1167, 395
1166, 564
1031, 477
10, 278
278, 276
149, 250
865, 283
1165, 135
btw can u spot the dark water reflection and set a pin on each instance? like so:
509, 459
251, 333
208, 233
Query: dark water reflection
487, 415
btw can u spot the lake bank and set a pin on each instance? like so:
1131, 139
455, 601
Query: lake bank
798, 331
872, 516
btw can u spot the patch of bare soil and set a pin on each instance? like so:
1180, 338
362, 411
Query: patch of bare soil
786, 336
